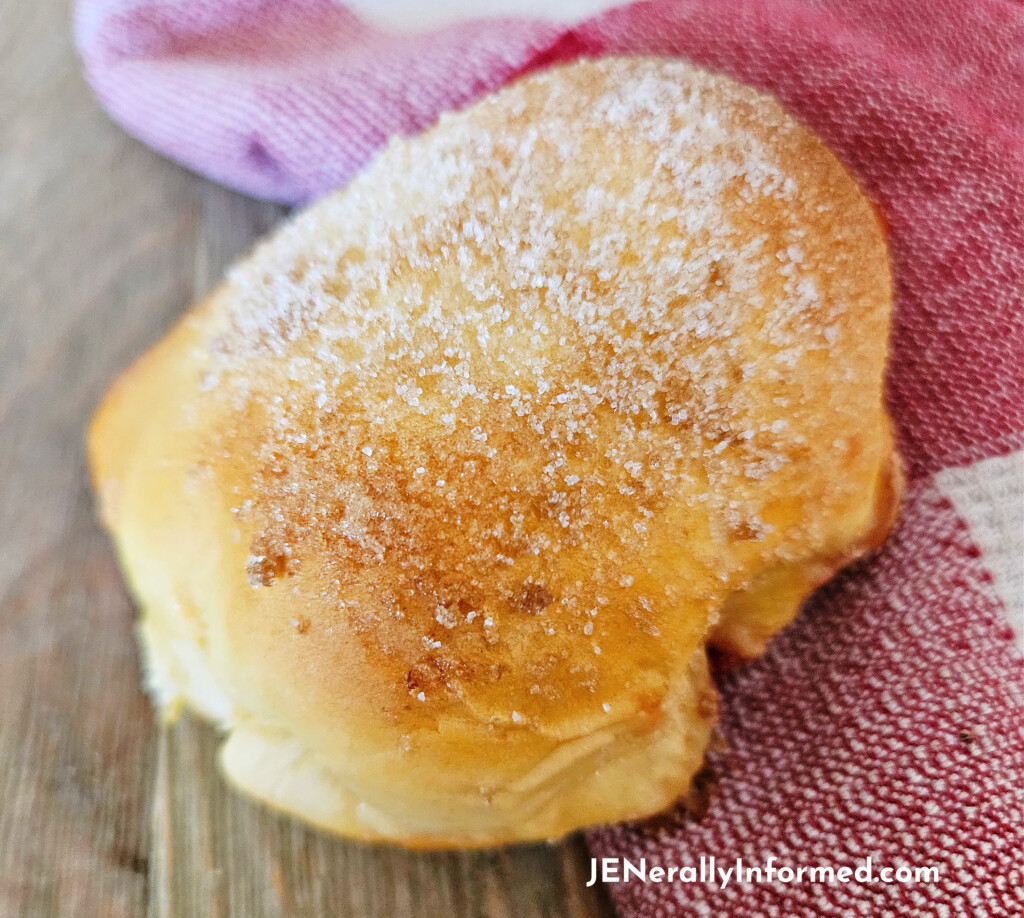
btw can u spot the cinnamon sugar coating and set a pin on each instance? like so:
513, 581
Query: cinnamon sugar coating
490, 443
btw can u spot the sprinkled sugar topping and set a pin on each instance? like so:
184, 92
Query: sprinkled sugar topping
482, 375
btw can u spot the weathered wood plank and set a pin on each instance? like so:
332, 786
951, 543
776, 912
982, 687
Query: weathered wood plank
96, 241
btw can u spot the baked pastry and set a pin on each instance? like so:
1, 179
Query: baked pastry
436, 502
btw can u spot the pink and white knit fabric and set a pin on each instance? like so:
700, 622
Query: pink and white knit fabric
888, 721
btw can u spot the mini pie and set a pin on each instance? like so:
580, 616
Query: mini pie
436, 502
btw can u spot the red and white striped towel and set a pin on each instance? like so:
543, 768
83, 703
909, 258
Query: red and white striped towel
888, 721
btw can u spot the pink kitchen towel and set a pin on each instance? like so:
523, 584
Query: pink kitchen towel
888, 721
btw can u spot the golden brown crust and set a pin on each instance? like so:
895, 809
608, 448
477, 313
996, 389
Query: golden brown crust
436, 501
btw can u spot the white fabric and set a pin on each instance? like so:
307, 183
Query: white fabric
989, 495
407, 15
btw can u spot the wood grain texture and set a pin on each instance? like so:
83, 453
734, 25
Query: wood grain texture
102, 812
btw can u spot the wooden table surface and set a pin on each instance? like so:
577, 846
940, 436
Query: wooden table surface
102, 811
